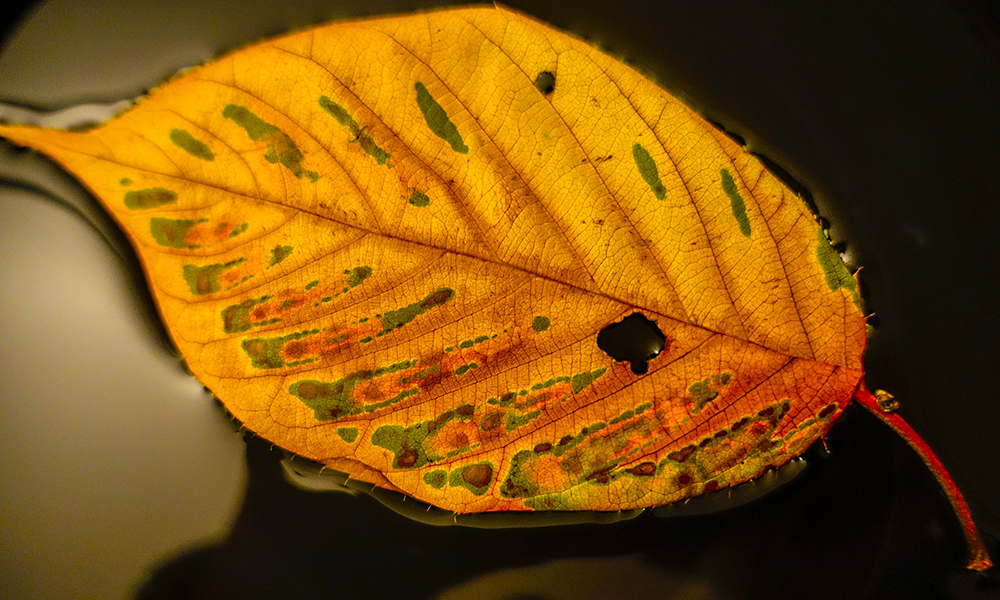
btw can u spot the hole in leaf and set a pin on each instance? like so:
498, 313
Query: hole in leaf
635, 339
545, 82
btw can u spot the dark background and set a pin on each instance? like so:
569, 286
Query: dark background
887, 113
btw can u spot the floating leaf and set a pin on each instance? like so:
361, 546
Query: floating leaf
472, 259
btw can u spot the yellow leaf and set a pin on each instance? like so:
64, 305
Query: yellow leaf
391, 246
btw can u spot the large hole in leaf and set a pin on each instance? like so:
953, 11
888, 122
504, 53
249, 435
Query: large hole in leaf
635, 339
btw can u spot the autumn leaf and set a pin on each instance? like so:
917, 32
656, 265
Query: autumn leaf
472, 259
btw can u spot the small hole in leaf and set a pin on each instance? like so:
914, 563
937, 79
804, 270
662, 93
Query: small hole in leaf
635, 339
545, 82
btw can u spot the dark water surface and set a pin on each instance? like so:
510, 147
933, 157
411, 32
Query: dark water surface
119, 476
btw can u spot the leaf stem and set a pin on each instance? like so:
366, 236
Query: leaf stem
979, 559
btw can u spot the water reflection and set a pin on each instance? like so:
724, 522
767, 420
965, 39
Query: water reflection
585, 579
112, 456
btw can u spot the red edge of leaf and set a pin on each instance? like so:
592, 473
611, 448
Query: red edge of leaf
979, 559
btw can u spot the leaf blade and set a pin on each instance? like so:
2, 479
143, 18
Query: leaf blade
513, 237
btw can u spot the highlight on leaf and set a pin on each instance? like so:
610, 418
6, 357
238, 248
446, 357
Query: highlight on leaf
492, 281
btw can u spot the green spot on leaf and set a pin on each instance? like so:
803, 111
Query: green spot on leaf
475, 477
278, 254
338, 112
281, 149
473, 342
515, 421
736, 200
333, 400
466, 368
362, 139
437, 119
517, 484
204, 280
348, 434
419, 199
708, 389
540, 324
238, 230
237, 318
358, 275
399, 317
648, 170
190, 144
171, 233
581, 380
149, 198
125, 181
372, 149
436, 479
702, 394
406, 443
312, 284
267, 353
837, 275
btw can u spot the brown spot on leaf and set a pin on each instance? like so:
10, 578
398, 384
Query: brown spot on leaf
565, 440
827, 411
738, 425
513, 490
646, 469
372, 392
683, 454
294, 349
491, 422
684, 479
765, 445
543, 447
711, 486
503, 356
465, 410
600, 475
434, 379
441, 420
309, 390
437, 298
407, 458
478, 475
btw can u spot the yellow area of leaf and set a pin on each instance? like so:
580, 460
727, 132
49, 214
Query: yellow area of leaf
383, 247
